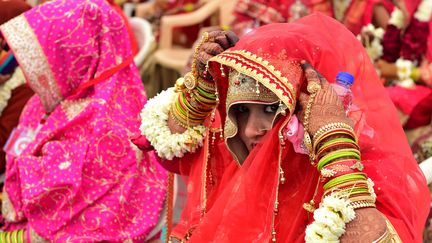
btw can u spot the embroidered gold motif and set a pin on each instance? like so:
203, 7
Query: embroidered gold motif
256, 67
74, 107
243, 88
35, 238
328, 172
358, 165
341, 168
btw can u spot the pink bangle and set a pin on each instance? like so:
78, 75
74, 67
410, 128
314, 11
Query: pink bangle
27, 234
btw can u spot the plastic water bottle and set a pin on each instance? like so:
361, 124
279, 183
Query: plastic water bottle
343, 84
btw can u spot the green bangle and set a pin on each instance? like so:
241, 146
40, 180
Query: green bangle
337, 140
206, 94
344, 178
21, 236
355, 190
13, 236
336, 155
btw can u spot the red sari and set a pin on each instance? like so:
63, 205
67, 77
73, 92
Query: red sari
232, 203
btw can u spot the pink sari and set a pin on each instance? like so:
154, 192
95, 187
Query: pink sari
75, 176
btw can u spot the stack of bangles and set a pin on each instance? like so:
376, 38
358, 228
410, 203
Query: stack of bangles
336, 149
16, 236
196, 96
193, 106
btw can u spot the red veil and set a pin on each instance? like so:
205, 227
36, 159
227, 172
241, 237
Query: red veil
231, 203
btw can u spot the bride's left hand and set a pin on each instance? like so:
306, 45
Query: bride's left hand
327, 107
368, 226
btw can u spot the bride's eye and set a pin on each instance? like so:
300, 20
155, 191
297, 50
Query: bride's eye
242, 109
271, 108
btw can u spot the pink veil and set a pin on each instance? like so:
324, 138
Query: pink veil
79, 178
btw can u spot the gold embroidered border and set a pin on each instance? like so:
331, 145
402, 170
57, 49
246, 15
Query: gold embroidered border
231, 59
254, 60
7, 209
32, 60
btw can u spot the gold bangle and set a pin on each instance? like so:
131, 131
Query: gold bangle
178, 119
362, 204
332, 126
362, 198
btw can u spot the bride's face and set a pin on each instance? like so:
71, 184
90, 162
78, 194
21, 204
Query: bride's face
254, 120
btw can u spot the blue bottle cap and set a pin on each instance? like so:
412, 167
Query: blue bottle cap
345, 78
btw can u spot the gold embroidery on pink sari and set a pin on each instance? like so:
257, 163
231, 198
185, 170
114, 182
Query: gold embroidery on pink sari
8, 211
33, 61
73, 108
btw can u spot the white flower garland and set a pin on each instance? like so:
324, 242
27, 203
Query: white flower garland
373, 48
155, 127
404, 72
330, 218
6, 88
424, 11
397, 18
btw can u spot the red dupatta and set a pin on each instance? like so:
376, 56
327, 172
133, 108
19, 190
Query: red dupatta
231, 203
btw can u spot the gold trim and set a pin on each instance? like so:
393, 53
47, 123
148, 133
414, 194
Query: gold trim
32, 60
204, 174
279, 181
390, 235
8, 211
231, 59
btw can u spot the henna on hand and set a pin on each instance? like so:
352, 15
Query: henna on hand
327, 106
368, 226
218, 41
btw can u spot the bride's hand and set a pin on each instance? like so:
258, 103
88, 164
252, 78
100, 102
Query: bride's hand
368, 226
218, 41
327, 106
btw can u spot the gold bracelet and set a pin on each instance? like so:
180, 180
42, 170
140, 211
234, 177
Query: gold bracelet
363, 204
362, 198
331, 126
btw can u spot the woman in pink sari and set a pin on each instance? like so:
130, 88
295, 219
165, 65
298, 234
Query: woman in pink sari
72, 174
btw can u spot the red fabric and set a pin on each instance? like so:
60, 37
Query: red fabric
405, 99
238, 201
421, 114
429, 51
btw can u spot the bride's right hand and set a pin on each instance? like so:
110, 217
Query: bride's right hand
218, 41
